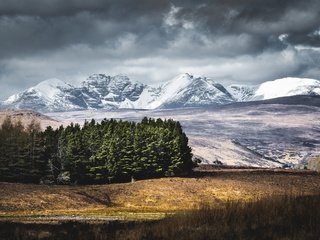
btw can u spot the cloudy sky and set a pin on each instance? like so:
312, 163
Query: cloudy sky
232, 41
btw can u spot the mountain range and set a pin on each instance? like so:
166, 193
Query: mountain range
100, 91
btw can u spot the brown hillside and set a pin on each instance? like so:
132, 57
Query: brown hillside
156, 195
26, 116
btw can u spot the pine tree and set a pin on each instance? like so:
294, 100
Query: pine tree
50, 154
35, 151
111, 151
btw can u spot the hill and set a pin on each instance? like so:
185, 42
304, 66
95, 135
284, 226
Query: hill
27, 116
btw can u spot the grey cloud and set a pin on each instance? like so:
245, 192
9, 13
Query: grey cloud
33, 26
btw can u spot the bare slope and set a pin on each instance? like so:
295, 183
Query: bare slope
27, 116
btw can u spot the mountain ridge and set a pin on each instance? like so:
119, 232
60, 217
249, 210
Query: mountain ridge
101, 91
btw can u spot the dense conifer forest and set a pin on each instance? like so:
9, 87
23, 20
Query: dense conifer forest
105, 152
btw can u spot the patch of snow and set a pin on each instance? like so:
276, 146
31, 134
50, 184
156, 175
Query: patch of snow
12, 99
127, 104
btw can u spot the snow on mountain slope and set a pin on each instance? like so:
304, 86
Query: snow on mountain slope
287, 87
51, 88
241, 93
146, 98
184, 90
116, 88
47, 89
96, 92
187, 90
49, 95
102, 91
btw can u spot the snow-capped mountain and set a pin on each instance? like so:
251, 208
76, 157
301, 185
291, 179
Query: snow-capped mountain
100, 91
187, 90
287, 87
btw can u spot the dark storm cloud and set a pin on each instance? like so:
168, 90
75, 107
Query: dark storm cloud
28, 26
54, 8
263, 20
225, 38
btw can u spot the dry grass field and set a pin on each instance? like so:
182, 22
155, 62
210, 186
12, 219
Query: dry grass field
152, 198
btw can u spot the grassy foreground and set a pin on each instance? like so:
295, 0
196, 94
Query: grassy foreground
285, 217
151, 199
278, 217
215, 205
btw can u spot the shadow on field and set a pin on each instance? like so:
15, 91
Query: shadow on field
277, 217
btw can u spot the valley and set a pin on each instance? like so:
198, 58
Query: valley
258, 134
266, 133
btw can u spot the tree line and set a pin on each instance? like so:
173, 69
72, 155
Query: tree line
105, 152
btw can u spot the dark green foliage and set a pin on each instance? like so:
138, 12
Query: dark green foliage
22, 155
110, 151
